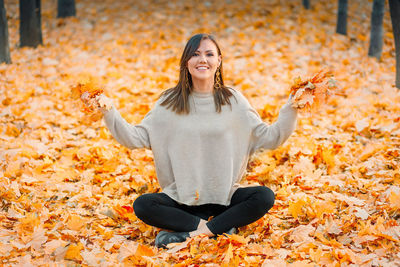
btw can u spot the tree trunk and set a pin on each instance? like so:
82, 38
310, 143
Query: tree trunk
66, 8
4, 47
376, 40
30, 29
306, 4
341, 25
394, 6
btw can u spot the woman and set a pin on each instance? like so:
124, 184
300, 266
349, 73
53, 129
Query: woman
201, 134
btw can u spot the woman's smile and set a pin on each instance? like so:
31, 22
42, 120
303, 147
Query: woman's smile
202, 68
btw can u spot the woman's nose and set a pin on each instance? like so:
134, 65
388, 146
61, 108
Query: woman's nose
203, 58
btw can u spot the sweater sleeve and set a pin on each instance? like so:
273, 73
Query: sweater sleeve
272, 136
130, 136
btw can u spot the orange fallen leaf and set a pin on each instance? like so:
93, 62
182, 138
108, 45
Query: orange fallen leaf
74, 252
128, 208
312, 92
134, 251
295, 208
394, 200
29, 222
123, 212
88, 87
76, 222
86, 92
238, 239
228, 254
301, 233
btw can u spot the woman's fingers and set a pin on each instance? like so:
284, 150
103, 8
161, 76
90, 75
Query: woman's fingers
85, 97
88, 101
104, 102
99, 102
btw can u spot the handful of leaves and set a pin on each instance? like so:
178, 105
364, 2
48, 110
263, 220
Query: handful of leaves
309, 94
91, 100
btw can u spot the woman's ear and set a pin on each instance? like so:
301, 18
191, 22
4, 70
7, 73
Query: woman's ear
219, 60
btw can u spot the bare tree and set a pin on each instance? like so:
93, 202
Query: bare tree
395, 15
4, 46
30, 29
66, 8
376, 38
341, 25
306, 4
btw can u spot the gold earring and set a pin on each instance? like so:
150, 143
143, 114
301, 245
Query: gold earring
218, 84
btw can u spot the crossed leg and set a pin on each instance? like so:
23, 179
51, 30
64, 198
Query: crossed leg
247, 205
159, 210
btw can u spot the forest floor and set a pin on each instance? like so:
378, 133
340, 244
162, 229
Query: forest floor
67, 187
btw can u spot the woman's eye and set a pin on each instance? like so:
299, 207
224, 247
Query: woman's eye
210, 54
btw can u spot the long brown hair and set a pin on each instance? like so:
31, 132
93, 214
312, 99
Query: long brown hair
177, 98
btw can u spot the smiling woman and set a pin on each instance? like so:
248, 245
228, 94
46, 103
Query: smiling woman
200, 71
203, 66
202, 134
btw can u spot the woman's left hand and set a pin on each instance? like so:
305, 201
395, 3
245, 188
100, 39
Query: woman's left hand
104, 103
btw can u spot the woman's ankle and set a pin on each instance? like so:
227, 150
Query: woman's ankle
201, 224
202, 230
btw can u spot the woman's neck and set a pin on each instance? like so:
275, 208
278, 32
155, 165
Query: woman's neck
203, 86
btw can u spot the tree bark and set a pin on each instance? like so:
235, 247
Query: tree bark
4, 46
341, 25
376, 40
30, 29
394, 6
306, 4
66, 8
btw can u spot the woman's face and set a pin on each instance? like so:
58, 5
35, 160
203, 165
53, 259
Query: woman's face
203, 64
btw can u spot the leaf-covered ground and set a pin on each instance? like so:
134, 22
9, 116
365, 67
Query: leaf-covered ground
66, 186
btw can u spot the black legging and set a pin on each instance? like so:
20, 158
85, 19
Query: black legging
248, 204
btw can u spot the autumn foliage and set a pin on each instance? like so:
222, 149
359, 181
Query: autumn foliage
67, 187
87, 89
313, 92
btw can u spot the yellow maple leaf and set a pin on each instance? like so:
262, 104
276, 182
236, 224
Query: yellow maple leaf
75, 222
394, 200
13, 169
228, 255
295, 207
329, 158
29, 222
238, 239
74, 252
12, 130
143, 250
323, 207
312, 92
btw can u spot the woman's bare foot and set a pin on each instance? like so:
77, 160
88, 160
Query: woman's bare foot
201, 229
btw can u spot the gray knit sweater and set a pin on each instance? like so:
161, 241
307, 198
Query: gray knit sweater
201, 155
